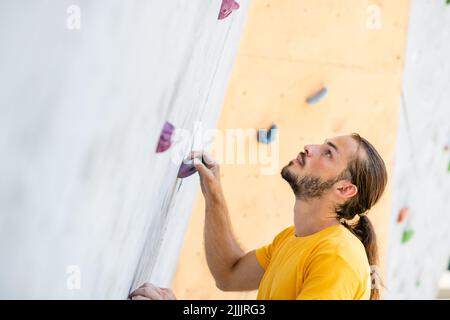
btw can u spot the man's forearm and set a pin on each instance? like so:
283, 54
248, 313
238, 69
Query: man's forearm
221, 247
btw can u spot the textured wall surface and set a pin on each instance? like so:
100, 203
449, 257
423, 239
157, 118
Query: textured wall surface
421, 180
87, 208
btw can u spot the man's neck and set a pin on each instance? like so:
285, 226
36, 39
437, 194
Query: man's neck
311, 216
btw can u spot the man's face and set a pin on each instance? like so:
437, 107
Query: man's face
317, 168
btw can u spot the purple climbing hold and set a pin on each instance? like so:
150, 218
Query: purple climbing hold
187, 168
165, 137
226, 8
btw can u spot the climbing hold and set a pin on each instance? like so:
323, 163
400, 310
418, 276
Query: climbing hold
407, 235
187, 168
403, 214
165, 137
267, 136
226, 8
317, 96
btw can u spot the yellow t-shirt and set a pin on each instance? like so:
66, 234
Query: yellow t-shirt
329, 264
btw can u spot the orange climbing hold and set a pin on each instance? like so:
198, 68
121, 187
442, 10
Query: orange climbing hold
403, 214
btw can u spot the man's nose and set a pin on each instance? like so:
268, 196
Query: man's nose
310, 150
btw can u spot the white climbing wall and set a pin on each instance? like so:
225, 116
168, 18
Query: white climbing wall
87, 208
421, 180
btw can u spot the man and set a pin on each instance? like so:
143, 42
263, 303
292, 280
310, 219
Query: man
328, 251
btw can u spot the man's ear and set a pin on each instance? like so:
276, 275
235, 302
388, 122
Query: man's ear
346, 189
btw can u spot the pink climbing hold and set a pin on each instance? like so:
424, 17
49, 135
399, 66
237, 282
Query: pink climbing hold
226, 8
165, 137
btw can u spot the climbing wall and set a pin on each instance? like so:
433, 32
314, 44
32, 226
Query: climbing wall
88, 209
419, 244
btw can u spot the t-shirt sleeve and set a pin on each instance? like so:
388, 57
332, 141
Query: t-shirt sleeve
329, 277
264, 254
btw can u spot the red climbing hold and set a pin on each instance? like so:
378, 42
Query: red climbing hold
226, 8
165, 137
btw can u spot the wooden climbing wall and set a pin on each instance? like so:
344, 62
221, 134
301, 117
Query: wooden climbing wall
87, 207
289, 50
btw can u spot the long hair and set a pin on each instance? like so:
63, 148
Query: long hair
370, 177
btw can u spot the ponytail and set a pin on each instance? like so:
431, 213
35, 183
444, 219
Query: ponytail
366, 233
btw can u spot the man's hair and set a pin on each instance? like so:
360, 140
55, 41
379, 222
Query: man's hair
369, 175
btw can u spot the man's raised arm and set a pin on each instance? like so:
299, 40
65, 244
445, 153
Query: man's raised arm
231, 267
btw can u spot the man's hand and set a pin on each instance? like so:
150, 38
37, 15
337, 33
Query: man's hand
209, 172
149, 291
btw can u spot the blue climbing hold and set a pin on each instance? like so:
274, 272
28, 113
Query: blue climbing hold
317, 96
267, 136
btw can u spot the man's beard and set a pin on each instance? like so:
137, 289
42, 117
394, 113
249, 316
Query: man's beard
308, 186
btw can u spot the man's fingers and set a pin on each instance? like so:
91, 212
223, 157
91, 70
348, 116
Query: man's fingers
195, 154
139, 298
148, 284
204, 156
168, 294
202, 169
209, 160
148, 292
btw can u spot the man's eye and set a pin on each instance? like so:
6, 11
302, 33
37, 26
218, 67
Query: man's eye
328, 153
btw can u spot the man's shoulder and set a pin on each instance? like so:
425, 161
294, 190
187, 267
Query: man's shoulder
344, 245
285, 233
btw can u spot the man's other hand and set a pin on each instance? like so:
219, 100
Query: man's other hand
149, 291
